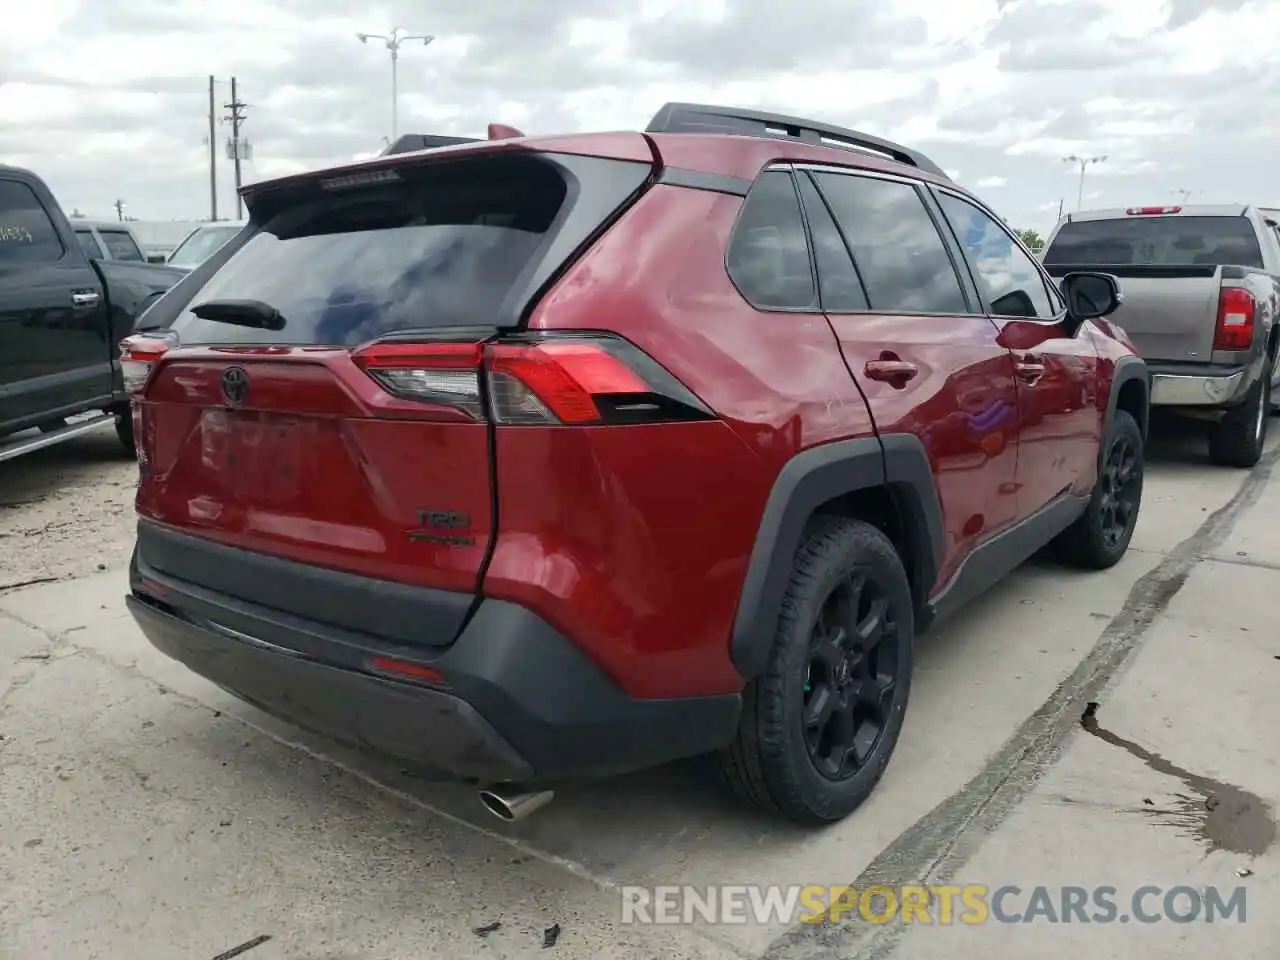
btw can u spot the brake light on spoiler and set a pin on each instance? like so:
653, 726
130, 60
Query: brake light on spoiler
535, 380
1151, 211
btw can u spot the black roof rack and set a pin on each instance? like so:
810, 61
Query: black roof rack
704, 118
410, 142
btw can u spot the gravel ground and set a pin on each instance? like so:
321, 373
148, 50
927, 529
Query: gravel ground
67, 511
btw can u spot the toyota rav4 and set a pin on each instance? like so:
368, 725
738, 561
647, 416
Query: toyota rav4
543, 458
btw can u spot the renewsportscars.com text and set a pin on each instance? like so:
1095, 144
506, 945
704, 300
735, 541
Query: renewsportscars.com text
943, 905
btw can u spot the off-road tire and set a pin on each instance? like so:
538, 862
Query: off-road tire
1084, 543
1238, 439
769, 763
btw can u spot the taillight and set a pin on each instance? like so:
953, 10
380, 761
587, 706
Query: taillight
1151, 211
536, 379
1236, 309
441, 373
138, 356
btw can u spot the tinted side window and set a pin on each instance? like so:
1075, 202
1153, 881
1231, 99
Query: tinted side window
26, 232
838, 280
1008, 278
768, 255
120, 245
899, 253
88, 244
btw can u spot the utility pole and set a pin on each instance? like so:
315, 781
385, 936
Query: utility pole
236, 147
1059, 208
213, 151
393, 41
119, 205
1084, 163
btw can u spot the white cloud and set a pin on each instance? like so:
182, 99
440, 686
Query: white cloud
1006, 88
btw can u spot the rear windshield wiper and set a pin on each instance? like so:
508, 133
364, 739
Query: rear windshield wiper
244, 313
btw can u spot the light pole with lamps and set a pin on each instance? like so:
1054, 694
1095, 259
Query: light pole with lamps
394, 40
1084, 163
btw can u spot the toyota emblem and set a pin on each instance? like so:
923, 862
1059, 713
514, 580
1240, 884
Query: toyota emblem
235, 385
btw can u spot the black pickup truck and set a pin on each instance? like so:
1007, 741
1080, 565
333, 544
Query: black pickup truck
62, 316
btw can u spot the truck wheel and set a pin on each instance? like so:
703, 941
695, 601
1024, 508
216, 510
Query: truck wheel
1237, 440
1101, 535
124, 430
819, 725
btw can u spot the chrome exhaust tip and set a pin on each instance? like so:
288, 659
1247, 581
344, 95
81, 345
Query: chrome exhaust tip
511, 806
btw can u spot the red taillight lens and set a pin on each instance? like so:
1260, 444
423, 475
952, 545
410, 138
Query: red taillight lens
556, 382
138, 356
1236, 310
440, 373
546, 379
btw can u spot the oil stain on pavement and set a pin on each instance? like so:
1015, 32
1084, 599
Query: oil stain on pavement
1221, 817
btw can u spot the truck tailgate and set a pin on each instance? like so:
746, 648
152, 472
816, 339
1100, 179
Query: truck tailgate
1170, 312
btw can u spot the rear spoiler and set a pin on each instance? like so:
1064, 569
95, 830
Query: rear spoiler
413, 142
733, 121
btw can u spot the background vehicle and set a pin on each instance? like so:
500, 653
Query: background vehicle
63, 312
202, 242
1201, 293
555, 457
108, 241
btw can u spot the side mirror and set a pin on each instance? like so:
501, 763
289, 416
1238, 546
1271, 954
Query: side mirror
1090, 296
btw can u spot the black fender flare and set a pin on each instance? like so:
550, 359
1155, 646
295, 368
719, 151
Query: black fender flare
897, 463
1129, 368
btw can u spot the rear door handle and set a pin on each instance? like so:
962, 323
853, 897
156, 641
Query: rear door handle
84, 298
893, 372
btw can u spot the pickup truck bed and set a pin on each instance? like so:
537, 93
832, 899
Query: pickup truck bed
1201, 291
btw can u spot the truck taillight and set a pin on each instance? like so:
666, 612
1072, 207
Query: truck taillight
535, 379
1236, 310
138, 356
1151, 211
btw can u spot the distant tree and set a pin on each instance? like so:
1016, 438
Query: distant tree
76, 214
1031, 238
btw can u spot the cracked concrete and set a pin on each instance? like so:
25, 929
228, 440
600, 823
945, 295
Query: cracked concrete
153, 816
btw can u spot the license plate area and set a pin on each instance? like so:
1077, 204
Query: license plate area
257, 455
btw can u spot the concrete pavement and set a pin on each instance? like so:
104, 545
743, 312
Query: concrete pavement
153, 816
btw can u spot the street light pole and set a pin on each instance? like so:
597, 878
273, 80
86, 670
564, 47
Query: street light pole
1084, 163
393, 42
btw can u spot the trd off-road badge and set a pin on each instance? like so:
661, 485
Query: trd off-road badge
235, 385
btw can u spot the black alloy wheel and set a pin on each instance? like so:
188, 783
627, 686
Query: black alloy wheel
1121, 491
849, 684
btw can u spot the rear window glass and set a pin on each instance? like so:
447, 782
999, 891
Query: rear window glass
120, 245
1157, 242
203, 243
442, 247
88, 244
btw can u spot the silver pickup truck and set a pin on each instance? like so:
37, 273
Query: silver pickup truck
1201, 289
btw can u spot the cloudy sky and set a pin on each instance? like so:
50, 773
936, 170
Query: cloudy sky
108, 99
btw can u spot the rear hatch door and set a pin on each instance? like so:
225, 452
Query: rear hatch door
327, 408
1170, 271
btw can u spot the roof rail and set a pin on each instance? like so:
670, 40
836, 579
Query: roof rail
704, 118
411, 142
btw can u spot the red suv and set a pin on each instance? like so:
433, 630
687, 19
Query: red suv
543, 458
